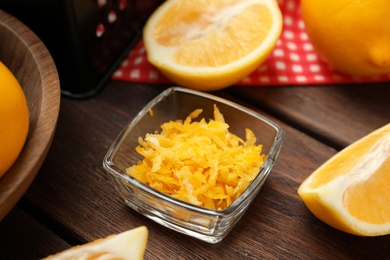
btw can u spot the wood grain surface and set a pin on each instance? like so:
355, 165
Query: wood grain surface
73, 201
337, 115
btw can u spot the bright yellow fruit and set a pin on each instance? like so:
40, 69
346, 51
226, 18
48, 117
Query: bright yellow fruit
351, 191
125, 246
353, 36
14, 119
209, 45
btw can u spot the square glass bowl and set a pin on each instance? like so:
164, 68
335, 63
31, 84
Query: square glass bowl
177, 103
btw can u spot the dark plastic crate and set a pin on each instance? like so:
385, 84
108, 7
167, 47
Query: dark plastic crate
87, 38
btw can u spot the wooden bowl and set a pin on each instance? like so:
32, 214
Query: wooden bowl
29, 60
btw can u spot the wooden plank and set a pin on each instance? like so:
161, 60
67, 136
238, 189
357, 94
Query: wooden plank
22, 237
73, 188
338, 115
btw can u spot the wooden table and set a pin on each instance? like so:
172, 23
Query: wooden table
73, 201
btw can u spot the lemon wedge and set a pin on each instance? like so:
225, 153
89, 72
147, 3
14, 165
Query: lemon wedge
129, 245
351, 191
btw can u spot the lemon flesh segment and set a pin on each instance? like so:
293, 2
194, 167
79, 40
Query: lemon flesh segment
351, 191
216, 34
195, 42
127, 245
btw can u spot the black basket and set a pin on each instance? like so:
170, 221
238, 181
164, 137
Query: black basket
87, 38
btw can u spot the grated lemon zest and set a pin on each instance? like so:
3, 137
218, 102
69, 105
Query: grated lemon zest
199, 162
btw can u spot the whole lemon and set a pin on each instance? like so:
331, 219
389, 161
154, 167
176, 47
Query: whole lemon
14, 119
351, 35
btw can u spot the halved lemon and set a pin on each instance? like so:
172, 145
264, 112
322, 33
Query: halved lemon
127, 245
209, 45
351, 191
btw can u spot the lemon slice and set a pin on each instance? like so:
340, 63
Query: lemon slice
209, 45
124, 246
351, 191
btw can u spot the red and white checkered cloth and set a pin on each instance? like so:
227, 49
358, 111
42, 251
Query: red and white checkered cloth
292, 62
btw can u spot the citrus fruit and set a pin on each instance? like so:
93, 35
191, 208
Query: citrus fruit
209, 45
130, 244
352, 36
14, 119
351, 191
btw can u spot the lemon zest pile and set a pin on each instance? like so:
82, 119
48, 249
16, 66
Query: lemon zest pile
198, 162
